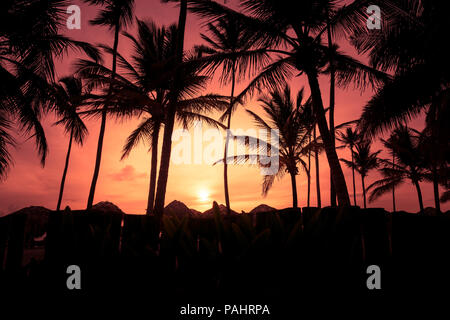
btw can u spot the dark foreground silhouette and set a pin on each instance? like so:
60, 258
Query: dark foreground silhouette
279, 258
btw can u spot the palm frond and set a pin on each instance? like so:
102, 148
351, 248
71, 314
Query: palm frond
143, 132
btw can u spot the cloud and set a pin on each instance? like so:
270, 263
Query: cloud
128, 173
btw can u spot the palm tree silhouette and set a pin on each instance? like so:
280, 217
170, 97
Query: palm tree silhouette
409, 45
116, 15
229, 46
350, 138
316, 158
294, 122
363, 160
142, 88
434, 144
69, 97
171, 112
404, 145
294, 37
30, 40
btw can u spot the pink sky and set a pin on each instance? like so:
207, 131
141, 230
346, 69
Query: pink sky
125, 183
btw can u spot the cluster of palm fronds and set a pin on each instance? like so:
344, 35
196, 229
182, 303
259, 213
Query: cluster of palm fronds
267, 42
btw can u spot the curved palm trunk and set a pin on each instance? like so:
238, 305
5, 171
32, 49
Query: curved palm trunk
330, 150
316, 156
419, 195
309, 174
437, 203
168, 129
164, 165
393, 188
331, 115
101, 135
294, 191
153, 169
353, 176
225, 153
63, 180
364, 191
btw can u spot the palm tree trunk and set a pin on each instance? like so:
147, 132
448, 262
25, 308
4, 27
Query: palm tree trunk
437, 203
330, 150
225, 153
331, 114
294, 191
353, 176
153, 169
101, 135
63, 180
393, 188
364, 191
419, 195
316, 156
309, 174
168, 129
164, 165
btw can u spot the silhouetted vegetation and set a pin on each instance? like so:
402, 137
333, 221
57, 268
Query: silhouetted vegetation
263, 46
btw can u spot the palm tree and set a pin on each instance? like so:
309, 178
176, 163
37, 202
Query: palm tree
434, 144
350, 138
143, 89
294, 38
229, 46
30, 41
404, 145
116, 15
421, 68
332, 72
394, 208
171, 113
294, 123
155, 47
316, 157
69, 96
363, 160
309, 175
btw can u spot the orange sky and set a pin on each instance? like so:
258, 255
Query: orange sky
126, 182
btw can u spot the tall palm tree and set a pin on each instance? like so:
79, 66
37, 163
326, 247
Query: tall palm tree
115, 15
171, 113
309, 175
363, 160
294, 38
394, 207
350, 138
154, 48
69, 97
332, 72
30, 41
316, 158
142, 88
229, 45
434, 144
294, 123
404, 145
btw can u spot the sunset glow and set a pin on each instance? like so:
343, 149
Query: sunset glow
203, 195
126, 182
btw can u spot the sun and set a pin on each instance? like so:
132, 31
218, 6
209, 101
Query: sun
203, 195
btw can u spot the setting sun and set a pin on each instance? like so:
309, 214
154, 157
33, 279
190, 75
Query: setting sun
203, 195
